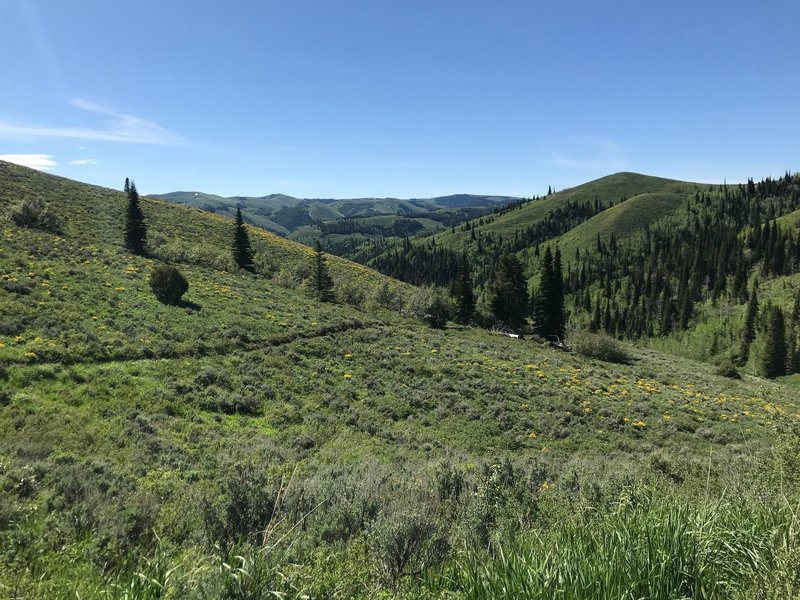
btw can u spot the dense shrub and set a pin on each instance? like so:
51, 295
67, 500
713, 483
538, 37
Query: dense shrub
168, 284
601, 347
408, 540
727, 369
438, 313
35, 214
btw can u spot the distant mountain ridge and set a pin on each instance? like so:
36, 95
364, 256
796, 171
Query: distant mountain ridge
284, 214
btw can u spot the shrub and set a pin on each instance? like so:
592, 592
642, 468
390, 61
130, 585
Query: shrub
351, 294
438, 313
35, 214
601, 347
727, 369
407, 541
168, 284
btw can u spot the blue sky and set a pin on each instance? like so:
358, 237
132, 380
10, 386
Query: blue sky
398, 98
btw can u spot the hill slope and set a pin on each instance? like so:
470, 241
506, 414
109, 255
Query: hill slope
146, 447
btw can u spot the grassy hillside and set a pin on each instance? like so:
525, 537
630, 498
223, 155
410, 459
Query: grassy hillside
611, 188
253, 440
620, 221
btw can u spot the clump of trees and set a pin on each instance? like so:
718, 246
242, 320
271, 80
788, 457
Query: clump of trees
168, 284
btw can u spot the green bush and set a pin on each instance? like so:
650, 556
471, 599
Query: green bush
438, 313
601, 347
35, 214
727, 369
168, 284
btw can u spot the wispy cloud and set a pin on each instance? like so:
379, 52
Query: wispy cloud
83, 161
40, 162
118, 127
590, 154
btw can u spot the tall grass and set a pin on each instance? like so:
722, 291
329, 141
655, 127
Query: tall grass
722, 550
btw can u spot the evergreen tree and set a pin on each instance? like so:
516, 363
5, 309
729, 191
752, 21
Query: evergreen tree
463, 293
749, 333
135, 228
557, 304
242, 252
549, 311
775, 354
508, 292
322, 282
792, 352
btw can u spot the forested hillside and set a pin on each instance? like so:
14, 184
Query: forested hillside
661, 263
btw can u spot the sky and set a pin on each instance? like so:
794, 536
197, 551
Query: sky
401, 98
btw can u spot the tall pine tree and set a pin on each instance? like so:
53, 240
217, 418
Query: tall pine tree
135, 228
548, 315
508, 292
463, 293
749, 333
322, 282
242, 252
775, 353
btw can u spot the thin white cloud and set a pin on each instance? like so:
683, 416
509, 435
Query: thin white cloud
591, 154
588, 164
119, 127
40, 162
83, 161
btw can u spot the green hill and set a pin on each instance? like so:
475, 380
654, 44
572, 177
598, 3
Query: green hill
253, 440
621, 221
612, 188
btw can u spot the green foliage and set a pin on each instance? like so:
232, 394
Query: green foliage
168, 284
242, 251
36, 214
652, 549
601, 347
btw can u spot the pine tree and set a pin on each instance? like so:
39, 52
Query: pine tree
463, 293
508, 292
135, 228
792, 352
749, 333
322, 282
549, 311
242, 252
775, 354
557, 304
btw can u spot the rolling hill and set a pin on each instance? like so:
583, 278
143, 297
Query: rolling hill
284, 214
253, 440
